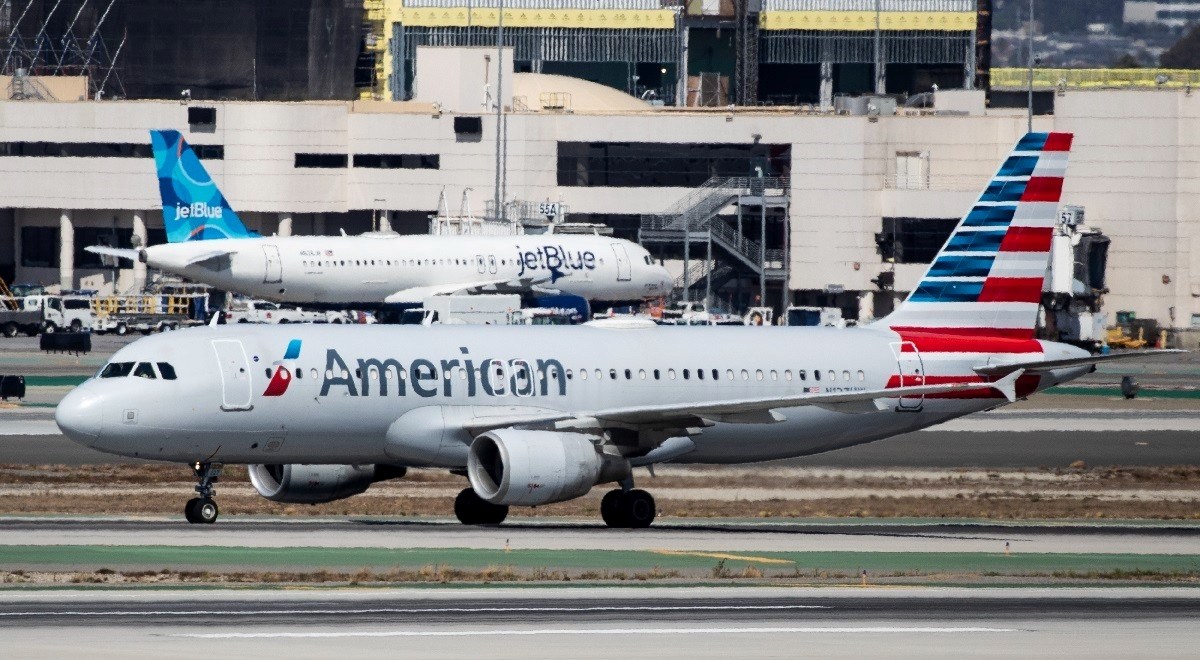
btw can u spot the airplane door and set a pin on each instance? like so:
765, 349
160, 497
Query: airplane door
491, 263
274, 272
479, 264
235, 374
912, 373
624, 273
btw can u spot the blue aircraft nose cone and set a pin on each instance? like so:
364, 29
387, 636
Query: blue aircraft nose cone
79, 416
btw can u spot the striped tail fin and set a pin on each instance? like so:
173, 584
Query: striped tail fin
987, 278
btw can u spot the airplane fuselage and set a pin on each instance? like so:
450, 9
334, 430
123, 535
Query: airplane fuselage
368, 271
367, 394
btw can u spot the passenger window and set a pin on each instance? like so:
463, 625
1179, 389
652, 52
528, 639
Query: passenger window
745, 375
612, 373
832, 375
774, 375
685, 374
116, 370
144, 370
570, 375
656, 374
168, 372
642, 374
628, 374
846, 376
671, 374
599, 375
582, 374
729, 373
816, 374
787, 374
861, 376
268, 370
803, 375
700, 374
716, 374
758, 374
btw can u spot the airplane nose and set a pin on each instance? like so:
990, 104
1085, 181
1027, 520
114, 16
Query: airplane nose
79, 416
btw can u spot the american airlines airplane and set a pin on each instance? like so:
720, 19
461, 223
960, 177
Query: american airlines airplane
208, 243
532, 415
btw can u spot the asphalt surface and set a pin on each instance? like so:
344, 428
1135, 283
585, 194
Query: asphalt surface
603, 623
924, 449
723, 535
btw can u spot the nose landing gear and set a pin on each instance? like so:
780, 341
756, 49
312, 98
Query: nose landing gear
203, 510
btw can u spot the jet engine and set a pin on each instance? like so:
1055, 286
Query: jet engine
316, 484
528, 468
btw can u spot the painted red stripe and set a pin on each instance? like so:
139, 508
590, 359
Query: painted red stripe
1058, 142
989, 333
1011, 289
1043, 189
1026, 385
929, 343
1027, 239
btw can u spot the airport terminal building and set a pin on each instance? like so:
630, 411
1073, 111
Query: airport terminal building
80, 173
827, 191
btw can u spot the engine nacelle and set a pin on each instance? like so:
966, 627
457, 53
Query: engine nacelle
528, 468
316, 484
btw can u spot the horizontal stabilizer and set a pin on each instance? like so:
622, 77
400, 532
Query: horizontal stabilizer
1050, 365
124, 253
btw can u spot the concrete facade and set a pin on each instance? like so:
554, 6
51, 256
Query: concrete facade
1135, 168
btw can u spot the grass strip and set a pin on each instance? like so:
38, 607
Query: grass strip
54, 381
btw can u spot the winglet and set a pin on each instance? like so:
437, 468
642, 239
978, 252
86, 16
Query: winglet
1008, 385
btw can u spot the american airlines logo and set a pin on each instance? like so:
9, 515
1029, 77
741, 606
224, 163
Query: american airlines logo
197, 210
466, 376
281, 377
555, 259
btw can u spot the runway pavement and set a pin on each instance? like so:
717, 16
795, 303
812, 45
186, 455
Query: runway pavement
603, 623
718, 535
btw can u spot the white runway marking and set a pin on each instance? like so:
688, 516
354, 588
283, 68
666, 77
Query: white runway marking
839, 630
432, 610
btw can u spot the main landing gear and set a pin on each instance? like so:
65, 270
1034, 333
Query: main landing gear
632, 508
203, 510
474, 510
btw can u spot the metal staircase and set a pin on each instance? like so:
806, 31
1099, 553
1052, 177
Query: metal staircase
696, 219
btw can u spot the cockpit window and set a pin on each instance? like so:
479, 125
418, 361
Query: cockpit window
116, 370
144, 370
167, 371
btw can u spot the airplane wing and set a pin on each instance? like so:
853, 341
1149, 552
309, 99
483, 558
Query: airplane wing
123, 253
758, 410
1049, 365
414, 295
762, 410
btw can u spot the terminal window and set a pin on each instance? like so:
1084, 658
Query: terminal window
399, 161
108, 237
39, 247
913, 240
329, 161
656, 164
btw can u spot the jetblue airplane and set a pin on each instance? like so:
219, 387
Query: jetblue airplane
532, 416
208, 243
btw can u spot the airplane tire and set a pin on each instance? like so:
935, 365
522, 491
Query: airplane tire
610, 508
473, 510
638, 509
122, 329
189, 510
